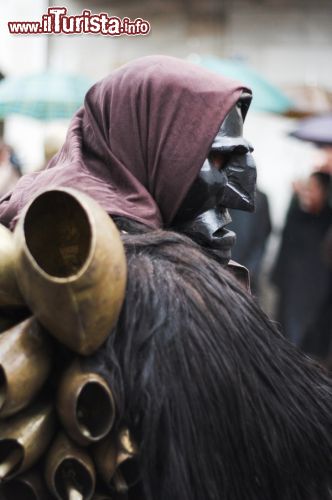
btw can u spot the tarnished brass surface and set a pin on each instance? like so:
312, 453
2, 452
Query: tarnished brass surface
71, 251
69, 470
9, 291
28, 486
101, 496
24, 438
11, 316
25, 363
116, 461
85, 405
7, 322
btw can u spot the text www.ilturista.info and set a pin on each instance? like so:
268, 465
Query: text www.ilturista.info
56, 21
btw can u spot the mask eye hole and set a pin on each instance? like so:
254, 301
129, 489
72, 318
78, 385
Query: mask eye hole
244, 103
217, 159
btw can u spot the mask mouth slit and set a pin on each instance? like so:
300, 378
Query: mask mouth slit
219, 233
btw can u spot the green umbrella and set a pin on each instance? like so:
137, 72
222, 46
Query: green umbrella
45, 96
266, 97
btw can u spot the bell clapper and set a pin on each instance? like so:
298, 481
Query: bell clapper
85, 431
119, 482
9, 463
74, 494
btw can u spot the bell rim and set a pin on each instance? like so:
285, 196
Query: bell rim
76, 195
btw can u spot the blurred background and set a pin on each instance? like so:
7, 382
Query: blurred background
282, 48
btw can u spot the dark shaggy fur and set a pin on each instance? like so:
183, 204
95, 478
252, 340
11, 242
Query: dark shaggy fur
223, 407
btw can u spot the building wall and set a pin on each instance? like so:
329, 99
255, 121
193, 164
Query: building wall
288, 44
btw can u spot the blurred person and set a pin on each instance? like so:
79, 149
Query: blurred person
9, 172
325, 164
220, 404
318, 338
328, 305
328, 248
252, 232
301, 273
15, 161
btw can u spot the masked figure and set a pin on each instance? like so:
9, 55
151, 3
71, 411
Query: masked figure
210, 401
158, 143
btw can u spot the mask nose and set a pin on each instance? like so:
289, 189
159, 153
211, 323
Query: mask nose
240, 190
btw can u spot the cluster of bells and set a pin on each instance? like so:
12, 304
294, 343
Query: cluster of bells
62, 283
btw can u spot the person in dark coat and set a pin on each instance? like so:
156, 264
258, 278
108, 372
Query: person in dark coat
301, 273
317, 341
252, 232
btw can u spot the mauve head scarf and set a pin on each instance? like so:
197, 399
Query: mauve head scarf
139, 141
